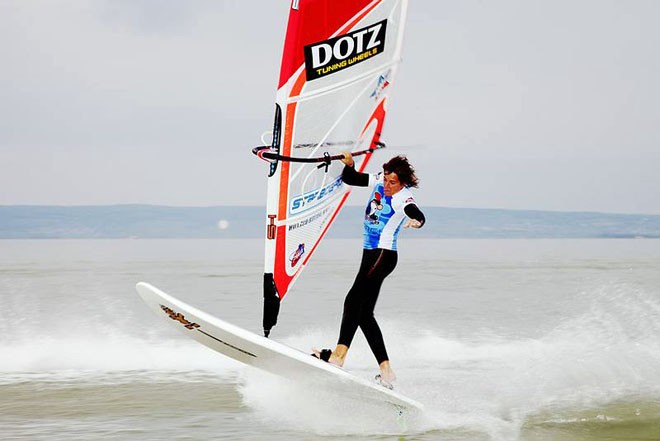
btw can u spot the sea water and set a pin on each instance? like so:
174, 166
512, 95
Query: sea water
499, 339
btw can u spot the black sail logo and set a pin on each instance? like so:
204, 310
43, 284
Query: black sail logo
330, 56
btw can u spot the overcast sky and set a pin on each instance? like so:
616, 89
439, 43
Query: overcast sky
525, 104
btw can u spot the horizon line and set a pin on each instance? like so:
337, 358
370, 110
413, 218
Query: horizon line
132, 204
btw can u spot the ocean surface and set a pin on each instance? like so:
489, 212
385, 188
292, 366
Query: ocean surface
501, 339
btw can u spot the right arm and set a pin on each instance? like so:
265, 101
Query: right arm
351, 176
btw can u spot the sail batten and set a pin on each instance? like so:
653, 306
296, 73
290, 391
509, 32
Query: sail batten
338, 63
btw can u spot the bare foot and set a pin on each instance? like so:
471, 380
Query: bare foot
382, 382
389, 376
386, 372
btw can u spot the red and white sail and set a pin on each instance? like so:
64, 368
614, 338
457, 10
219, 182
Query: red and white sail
337, 70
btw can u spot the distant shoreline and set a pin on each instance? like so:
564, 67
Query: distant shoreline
153, 221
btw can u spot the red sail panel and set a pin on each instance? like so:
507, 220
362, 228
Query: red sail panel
314, 20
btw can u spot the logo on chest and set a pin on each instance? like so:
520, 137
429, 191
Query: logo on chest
374, 208
379, 209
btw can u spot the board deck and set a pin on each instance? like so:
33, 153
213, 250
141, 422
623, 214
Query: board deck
266, 354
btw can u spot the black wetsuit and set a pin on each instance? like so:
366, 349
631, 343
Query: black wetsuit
378, 260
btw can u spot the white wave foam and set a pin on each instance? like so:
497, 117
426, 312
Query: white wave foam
491, 384
84, 356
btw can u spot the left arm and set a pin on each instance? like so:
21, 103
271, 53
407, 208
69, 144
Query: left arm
416, 216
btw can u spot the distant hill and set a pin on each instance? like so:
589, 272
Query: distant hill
149, 221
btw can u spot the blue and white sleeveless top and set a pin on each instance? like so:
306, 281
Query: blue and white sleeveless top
384, 215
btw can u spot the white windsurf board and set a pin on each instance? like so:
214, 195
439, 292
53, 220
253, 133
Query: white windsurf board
266, 354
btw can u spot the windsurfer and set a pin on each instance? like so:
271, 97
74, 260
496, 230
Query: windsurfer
391, 202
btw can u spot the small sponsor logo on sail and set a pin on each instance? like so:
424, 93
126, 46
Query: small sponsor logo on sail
330, 56
383, 82
294, 258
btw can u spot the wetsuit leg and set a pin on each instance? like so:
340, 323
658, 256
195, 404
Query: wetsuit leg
361, 300
381, 269
353, 302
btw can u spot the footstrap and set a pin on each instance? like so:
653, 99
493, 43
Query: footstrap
323, 355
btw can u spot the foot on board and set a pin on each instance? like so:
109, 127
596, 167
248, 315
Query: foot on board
382, 382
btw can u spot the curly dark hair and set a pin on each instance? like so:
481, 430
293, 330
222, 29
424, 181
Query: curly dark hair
404, 171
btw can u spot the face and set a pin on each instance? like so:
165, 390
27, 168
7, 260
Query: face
391, 184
